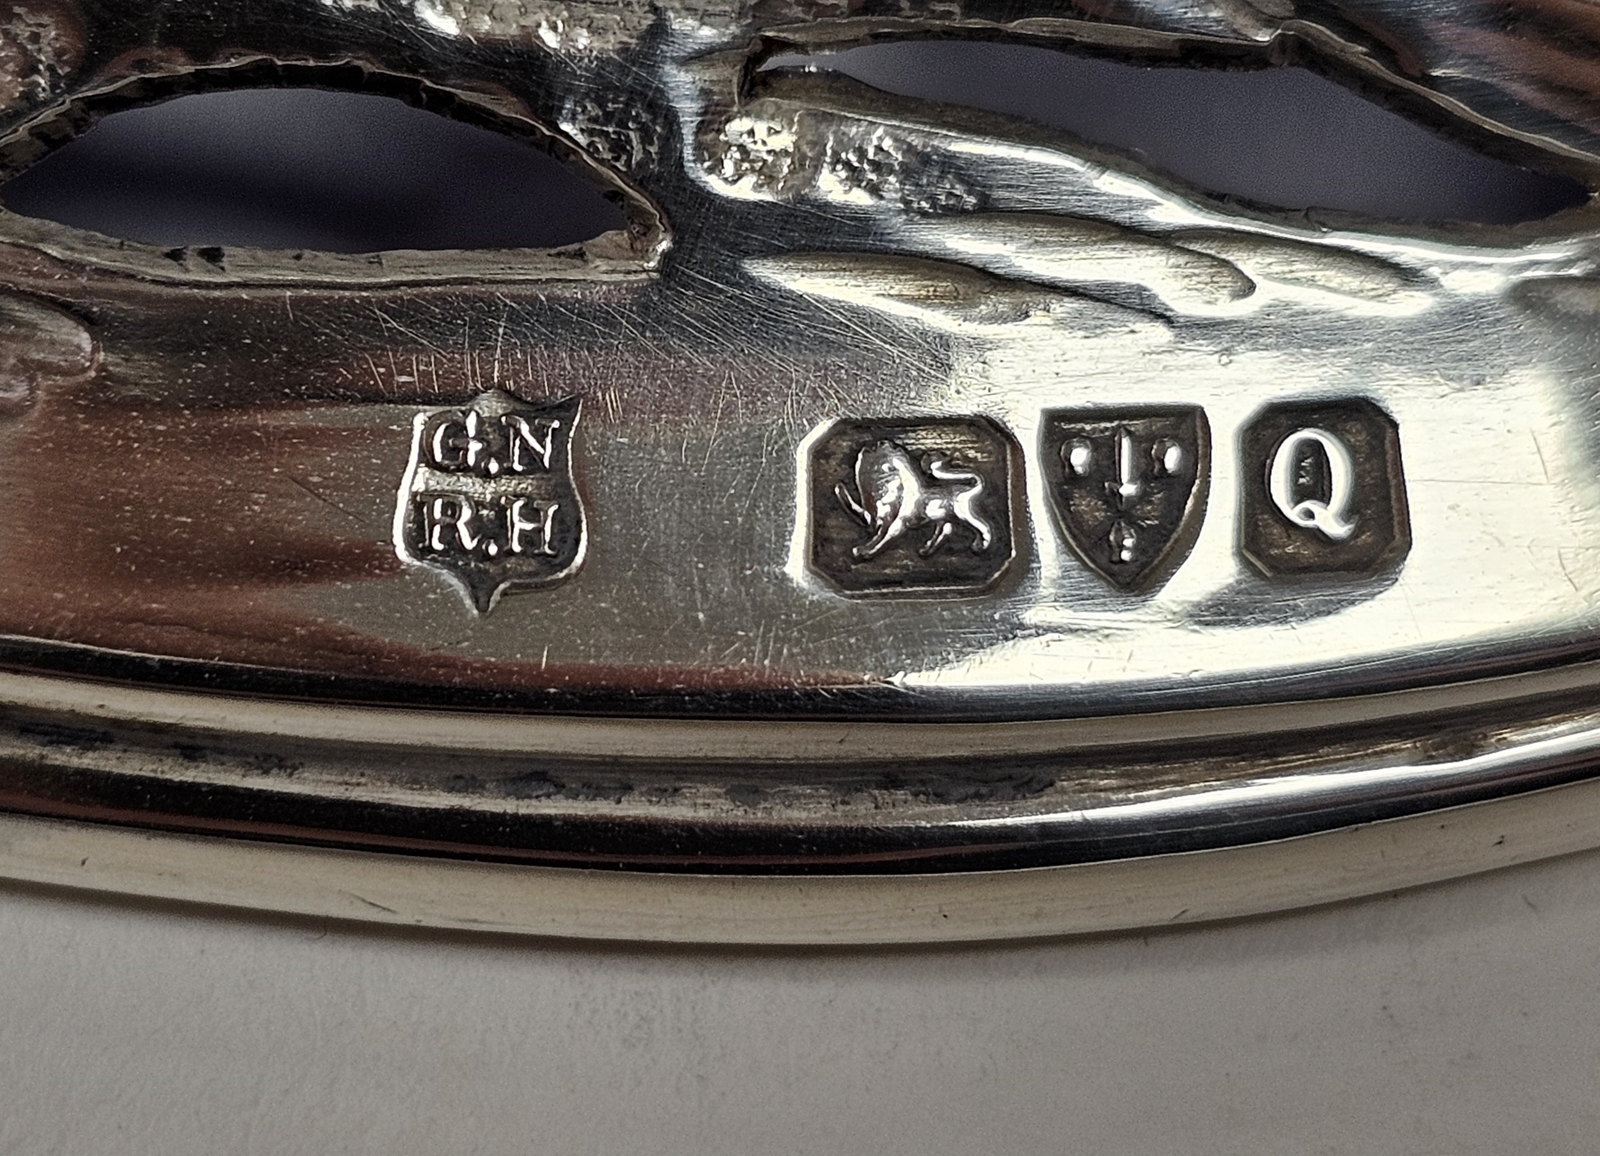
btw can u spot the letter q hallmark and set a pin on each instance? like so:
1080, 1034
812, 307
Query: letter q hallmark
488, 499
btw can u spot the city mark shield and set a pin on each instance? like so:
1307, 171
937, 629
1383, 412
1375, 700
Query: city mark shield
1127, 488
488, 499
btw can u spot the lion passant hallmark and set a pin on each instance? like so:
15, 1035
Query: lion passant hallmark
973, 525
926, 506
912, 506
488, 499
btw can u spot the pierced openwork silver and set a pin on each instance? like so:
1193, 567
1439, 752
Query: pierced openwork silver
951, 497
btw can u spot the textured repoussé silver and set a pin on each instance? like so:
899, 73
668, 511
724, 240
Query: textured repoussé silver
949, 497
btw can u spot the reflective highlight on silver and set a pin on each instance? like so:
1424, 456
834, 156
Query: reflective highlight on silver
1328, 516
950, 495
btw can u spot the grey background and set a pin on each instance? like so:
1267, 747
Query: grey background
1461, 1019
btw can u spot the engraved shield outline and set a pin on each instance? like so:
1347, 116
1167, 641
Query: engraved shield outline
481, 584
1056, 428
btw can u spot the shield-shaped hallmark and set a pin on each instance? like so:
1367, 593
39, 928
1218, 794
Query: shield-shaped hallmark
1127, 488
488, 499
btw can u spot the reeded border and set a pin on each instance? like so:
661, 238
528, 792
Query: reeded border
877, 812
1158, 891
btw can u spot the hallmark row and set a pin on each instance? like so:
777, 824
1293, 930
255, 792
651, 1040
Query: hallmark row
927, 506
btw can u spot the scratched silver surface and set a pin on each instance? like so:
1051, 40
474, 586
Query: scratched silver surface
202, 448
825, 252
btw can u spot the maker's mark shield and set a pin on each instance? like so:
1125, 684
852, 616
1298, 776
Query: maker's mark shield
1127, 488
488, 499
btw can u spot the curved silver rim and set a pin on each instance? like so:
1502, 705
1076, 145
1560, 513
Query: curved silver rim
805, 799
1157, 891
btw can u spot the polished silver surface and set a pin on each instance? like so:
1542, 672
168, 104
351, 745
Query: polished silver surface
949, 493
